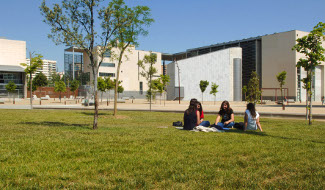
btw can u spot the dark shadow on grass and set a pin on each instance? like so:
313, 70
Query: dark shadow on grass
56, 124
292, 106
92, 113
258, 133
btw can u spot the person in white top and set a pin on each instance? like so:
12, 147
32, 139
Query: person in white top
252, 118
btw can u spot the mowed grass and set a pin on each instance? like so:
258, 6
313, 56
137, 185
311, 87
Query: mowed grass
52, 149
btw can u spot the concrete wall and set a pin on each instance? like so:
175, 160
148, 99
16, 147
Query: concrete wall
214, 67
278, 56
12, 52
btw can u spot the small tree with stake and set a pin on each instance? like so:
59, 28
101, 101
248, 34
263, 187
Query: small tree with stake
311, 47
214, 91
40, 80
60, 87
11, 87
281, 77
244, 90
203, 85
148, 71
165, 81
109, 86
101, 86
253, 89
74, 86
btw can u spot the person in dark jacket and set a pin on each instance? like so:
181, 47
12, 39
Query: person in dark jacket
191, 116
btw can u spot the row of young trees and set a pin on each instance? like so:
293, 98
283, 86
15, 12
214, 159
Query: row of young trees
214, 88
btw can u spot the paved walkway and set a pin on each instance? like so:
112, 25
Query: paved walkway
294, 110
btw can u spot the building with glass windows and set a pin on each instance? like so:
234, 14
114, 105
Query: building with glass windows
48, 68
268, 55
130, 73
12, 54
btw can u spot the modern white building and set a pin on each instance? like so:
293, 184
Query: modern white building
222, 67
12, 54
133, 83
268, 55
48, 68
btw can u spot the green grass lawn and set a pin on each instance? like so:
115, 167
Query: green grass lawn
51, 149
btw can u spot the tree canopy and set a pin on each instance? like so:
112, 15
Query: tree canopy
96, 28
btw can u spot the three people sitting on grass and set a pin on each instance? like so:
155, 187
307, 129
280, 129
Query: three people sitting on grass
194, 116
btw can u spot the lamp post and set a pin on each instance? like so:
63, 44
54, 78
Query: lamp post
179, 83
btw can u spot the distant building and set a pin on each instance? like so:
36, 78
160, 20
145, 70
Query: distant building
268, 55
134, 84
12, 54
48, 68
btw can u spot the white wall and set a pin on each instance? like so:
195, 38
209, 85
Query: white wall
214, 67
12, 52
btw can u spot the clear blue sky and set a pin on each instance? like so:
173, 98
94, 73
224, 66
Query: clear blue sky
179, 24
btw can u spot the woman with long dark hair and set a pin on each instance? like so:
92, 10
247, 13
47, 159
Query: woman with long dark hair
252, 118
202, 122
227, 116
191, 116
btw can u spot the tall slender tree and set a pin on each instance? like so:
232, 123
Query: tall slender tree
34, 63
311, 46
95, 29
132, 23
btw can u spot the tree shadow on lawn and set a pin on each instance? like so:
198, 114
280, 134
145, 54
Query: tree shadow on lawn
92, 113
56, 124
267, 135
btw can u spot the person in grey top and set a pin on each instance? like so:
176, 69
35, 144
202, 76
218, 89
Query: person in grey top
252, 118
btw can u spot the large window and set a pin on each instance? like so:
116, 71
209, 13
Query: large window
107, 53
107, 74
7, 77
107, 65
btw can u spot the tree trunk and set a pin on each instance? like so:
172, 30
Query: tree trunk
60, 97
13, 97
116, 82
30, 86
101, 97
307, 103
311, 97
40, 96
164, 98
202, 97
96, 111
150, 90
